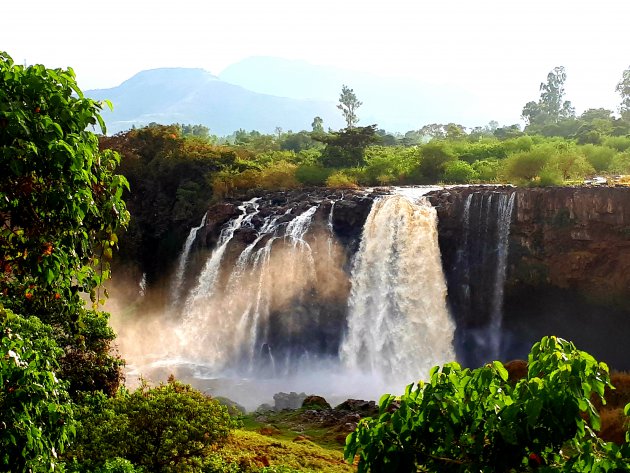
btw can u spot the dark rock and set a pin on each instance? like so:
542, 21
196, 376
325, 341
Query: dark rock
315, 402
291, 400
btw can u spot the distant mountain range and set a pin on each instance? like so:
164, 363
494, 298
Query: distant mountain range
262, 93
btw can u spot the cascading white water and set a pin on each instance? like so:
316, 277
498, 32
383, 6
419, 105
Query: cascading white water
504, 219
208, 277
398, 323
182, 261
230, 326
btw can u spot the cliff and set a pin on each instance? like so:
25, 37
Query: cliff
568, 265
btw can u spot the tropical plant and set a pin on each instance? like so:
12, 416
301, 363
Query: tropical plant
36, 416
464, 420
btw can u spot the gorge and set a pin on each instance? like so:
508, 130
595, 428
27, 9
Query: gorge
359, 292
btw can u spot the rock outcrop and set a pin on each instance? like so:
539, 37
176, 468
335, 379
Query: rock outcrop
568, 269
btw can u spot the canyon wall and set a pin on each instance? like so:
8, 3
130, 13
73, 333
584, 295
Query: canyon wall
568, 268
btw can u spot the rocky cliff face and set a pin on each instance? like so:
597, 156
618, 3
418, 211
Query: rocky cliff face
565, 263
568, 266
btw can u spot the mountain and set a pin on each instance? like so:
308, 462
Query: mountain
395, 104
194, 96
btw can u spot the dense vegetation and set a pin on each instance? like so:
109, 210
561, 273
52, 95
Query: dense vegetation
62, 213
464, 420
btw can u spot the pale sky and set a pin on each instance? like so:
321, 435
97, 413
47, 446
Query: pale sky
500, 50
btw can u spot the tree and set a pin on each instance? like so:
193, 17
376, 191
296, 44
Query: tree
623, 87
36, 416
60, 211
318, 125
551, 106
464, 420
60, 201
348, 104
347, 147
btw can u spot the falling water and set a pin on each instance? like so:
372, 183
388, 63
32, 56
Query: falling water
209, 275
256, 320
480, 273
182, 261
398, 323
504, 218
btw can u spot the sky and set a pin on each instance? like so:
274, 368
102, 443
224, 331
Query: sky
498, 50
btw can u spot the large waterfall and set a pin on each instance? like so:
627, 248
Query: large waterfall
398, 323
339, 294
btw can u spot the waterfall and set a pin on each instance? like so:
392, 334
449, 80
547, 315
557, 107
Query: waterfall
479, 274
182, 261
504, 218
263, 318
398, 323
209, 275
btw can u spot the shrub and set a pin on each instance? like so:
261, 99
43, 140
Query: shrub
459, 172
36, 417
464, 420
340, 180
163, 429
600, 157
312, 174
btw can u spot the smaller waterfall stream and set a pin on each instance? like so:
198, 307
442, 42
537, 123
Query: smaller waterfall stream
480, 272
182, 261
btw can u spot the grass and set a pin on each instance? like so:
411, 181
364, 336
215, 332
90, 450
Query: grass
249, 451
288, 425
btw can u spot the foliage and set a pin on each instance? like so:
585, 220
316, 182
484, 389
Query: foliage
459, 172
550, 108
623, 87
348, 104
600, 157
524, 166
434, 156
60, 201
312, 174
346, 148
252, 452
168, 428
36, 416
464, 420
340, 180
61, 210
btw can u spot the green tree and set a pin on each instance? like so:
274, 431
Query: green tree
464, 420
60, 201
36, 417
551, 107
318, 125
459, 172
167, 428
434, 157
60, 211
623, 87
348, 104
346, 148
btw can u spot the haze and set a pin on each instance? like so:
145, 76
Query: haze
498, 50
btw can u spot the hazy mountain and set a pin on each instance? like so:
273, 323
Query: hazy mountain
395, 104
194, 96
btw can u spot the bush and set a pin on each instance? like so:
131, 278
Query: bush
464, 420
163, 429
600, 157
312, 174
340, 180
36, 417
524, 166
459, 172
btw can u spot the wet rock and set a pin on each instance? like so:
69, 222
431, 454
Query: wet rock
315, 402
291, 400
